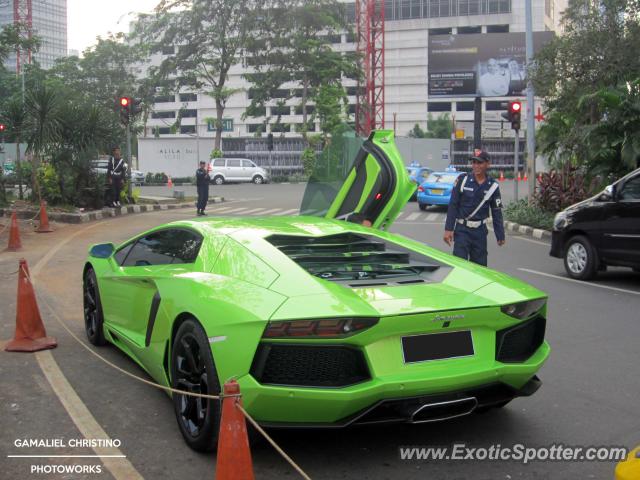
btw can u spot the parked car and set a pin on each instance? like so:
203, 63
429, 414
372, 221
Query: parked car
223, 170
418, 175
601, 231
323, 322
137, 177
436, 189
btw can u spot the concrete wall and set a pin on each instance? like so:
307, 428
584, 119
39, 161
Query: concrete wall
177, 157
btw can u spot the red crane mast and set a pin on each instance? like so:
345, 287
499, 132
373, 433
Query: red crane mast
370, 37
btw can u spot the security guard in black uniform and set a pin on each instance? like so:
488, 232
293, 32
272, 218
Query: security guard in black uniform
202, 182
116, 173
473, 196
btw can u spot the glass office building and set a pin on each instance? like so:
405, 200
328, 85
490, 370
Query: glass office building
49, 20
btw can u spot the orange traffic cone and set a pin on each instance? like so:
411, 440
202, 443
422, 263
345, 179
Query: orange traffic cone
44, 219
169, 183
519, 177
30, 333
501, 179
524, 179
234, 457
14, 234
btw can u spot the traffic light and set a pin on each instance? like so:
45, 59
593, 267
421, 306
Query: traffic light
135, 106
125, 106
270, 142
513, 114
2, 127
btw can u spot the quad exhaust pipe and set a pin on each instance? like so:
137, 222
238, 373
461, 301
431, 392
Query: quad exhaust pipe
440, 411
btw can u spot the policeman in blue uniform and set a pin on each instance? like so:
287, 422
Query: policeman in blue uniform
473, 197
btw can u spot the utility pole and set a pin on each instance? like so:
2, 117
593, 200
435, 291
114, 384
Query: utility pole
130, 189
516, 162
531, 122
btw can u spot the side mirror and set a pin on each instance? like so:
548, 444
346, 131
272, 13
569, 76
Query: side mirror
102, 250
607, 194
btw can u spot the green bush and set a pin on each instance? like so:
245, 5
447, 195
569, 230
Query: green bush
191, 180
308, 161
215, 153
532, 215
49, 181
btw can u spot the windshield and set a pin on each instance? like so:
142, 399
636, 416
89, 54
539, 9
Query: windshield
442, 177
330, 170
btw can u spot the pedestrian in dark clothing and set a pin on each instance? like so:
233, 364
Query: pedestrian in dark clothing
116, 173
202, 182
473, 197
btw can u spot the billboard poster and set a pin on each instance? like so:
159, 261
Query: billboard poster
480, 64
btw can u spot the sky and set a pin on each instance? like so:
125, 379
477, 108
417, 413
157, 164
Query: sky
89, 18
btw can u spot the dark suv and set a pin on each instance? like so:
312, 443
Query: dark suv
603, 230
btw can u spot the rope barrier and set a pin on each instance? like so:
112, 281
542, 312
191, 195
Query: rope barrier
169, 389
273, 443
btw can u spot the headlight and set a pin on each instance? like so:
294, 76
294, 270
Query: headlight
560, 221
523, 310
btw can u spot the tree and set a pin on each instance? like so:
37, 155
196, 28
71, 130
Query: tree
291, 57
13, 116
12, 37
207, 38
578, 73
440, 127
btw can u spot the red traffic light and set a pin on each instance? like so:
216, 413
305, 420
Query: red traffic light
2, 127
515, 106
124, 101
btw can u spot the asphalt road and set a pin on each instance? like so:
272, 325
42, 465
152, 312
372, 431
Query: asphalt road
589, 395
276, 195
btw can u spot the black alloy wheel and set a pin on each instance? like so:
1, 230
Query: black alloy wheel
193, 370
93, 318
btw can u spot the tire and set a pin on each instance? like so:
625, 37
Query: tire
218, 180
423, 206
92, 309
258, 180
198, 419
580, 258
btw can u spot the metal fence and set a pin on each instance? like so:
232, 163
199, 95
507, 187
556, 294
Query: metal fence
285, 158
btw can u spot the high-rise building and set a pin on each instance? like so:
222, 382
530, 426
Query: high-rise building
49, 22
410, 27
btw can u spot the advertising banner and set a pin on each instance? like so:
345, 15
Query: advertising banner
482, 64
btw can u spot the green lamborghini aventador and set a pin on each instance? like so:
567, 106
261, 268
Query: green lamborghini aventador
323, 322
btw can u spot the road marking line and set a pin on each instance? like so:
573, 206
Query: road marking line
78, 411
271, 212
81, 416
253, 211
223, 209
288, 212
236, 210
530, 240
580, 281
413, 216
432, 216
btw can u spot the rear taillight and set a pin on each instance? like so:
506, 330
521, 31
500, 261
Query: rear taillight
420, 189
325, 328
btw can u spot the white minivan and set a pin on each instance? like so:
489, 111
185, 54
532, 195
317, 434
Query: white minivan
222, 170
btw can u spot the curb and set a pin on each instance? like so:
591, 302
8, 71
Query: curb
537, 233
106, 212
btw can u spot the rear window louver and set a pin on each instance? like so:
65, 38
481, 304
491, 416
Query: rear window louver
359, 260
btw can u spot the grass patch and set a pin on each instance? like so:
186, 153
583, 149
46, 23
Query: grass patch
524, 214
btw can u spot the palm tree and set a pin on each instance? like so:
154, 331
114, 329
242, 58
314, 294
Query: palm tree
43, 125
